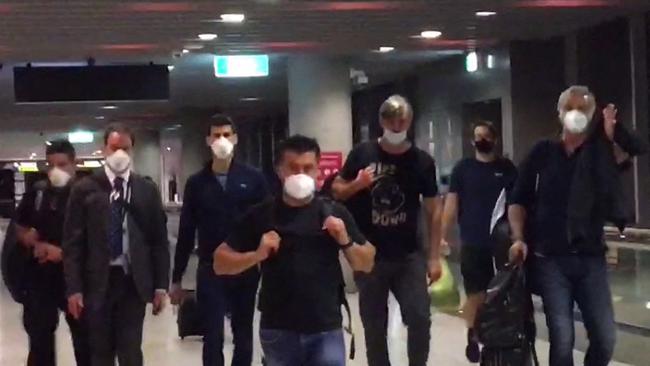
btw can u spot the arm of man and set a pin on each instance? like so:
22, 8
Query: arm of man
361, 254
523, 196
352, 179
246, 246
74, 242
185, 242
25, 232
433, 209
450, 210
160, 242
449, 216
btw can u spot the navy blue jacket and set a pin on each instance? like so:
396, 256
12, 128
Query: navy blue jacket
212, 211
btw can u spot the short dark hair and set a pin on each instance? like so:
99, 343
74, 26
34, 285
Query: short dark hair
120, 128
299, 144
60, 147
220, 120
487, 124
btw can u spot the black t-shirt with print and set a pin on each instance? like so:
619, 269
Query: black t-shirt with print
387, 212
302, 284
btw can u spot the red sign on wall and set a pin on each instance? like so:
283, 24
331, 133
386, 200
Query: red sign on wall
330, 163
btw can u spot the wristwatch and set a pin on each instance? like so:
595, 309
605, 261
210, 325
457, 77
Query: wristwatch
348, 245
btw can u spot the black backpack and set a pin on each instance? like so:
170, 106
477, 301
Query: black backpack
505, 323
15, 258
190, 322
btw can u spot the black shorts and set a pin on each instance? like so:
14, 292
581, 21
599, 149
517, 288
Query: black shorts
478, 265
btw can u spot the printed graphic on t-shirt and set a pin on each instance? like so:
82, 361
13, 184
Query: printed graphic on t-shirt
388, 199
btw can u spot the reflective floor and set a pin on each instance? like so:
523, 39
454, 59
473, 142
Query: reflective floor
162, 346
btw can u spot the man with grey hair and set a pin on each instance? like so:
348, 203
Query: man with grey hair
383, 182
565, 192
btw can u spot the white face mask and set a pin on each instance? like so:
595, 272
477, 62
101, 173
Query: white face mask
58, 177
222, 148
575, 121
394, 138
299, 186
119, 162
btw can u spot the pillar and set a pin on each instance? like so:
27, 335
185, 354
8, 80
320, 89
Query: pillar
195, 152
320, 103
640, 115
320, 106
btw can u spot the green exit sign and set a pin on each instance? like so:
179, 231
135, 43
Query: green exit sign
241, 66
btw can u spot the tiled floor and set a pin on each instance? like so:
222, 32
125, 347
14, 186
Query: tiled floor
163, 348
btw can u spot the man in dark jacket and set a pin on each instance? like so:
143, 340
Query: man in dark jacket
214, 199
116, 253
39, 220
565, 233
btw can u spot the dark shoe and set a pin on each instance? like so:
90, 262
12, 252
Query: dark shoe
472, 351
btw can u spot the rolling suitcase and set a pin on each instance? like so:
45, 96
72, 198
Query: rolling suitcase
189, 319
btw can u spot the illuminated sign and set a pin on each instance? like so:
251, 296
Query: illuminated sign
81, 137
241, 66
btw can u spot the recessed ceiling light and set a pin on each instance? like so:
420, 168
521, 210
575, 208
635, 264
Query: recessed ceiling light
430, 34
485, 13
193, 46
109, 106
385, 49
170, 67
48, 143
250, 99
232, 18
185, 50
99, 117
207, 36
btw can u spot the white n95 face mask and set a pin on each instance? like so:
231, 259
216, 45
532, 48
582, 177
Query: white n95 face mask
575, 121
299, 186
394, 138
119, 162
58, 177
222, 148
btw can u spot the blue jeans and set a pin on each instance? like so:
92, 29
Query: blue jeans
565, 281
216, 295
287, 348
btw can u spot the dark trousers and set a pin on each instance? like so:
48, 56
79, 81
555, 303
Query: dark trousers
565, 281
287, 348
215, 296
41, 308
115, 323
407, 280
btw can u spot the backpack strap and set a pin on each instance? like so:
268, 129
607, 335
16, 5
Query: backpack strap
327, 210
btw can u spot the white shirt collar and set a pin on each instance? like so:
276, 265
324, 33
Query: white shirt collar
111, 175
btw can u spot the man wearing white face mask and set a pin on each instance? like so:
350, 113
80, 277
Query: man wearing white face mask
39, 220
296, 238
565, 192
214, 199
116, 253
384, 184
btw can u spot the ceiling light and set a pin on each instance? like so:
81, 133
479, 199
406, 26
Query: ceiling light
385, 49
185, 50
168, 148
207, 36
250, 99
48, 143
170, 67
109, 106
430, 34
99, 117
194, 46
485, 13
232, 18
